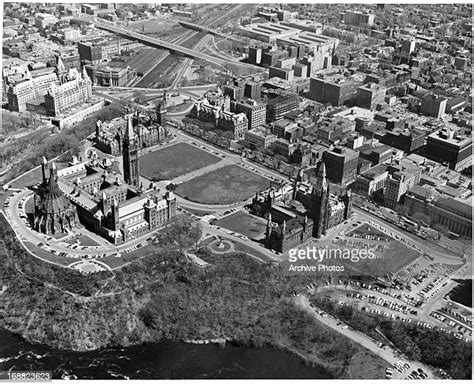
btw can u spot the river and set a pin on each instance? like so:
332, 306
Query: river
462, 293
164, 360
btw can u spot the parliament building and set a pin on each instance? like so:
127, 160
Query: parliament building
87, 193
300, 211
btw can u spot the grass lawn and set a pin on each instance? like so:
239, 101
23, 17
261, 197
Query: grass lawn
53, 258
229, 184
174, 160
114, 261
399, 255
33, 176
243, 223
84, 241
196, 212
367, 365
243, 248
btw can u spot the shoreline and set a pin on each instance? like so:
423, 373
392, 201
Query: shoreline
309, 361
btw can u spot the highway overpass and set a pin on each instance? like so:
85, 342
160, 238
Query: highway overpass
175, 48
208, 30
158, 43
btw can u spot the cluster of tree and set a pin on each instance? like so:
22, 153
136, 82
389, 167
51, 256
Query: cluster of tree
429, 346
68, 141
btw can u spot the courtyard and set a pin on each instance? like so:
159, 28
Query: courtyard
173, 161
226, 185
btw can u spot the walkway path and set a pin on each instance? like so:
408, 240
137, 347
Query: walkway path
388, 354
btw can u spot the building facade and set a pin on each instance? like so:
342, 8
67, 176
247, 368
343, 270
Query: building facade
301, 211
73, 89
342, 164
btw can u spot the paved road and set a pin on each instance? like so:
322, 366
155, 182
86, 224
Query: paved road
26, 234
388, 354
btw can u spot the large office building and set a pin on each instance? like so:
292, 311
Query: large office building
341, 164
370, 95
335, 90
371, 181
358, 18
433, 105
453, 148
280, 105
396, 185
255, 111
90, 52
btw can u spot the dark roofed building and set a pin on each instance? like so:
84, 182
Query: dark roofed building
54, 213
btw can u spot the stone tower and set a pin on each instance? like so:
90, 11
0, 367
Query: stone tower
130, 155
320, 202
161, 112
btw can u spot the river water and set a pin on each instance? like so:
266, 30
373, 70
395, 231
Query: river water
462, 293
164, 360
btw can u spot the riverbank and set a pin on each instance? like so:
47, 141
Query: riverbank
163, 360
163, 297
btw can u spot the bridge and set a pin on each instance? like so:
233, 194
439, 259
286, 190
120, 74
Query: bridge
175, 48
158, 43
209, 30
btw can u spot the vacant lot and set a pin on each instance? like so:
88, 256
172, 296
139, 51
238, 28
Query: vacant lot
226, 185
243, 223
175, 160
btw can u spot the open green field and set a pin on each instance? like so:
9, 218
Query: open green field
243, 223
226, 185
33, 176
83, 240
53, 258
173, 161
367, 365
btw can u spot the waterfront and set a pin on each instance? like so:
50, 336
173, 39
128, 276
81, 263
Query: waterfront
165, 360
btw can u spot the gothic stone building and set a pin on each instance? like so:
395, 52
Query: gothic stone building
301, 211
149, 128
53, 212
86, 192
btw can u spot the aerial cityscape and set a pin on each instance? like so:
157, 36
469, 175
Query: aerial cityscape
236, 191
